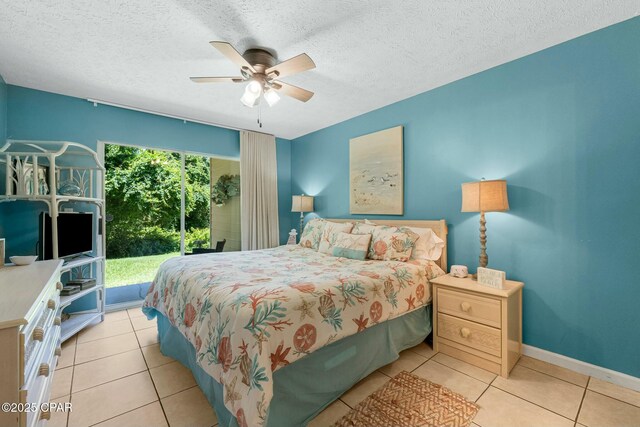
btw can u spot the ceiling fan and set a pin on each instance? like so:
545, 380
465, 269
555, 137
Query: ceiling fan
260, 69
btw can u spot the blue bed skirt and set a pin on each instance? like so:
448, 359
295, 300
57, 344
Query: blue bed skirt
304, 388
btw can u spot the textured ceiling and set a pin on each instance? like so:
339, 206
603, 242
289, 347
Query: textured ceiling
368, 53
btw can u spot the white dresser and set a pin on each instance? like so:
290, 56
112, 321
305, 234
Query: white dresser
29, 339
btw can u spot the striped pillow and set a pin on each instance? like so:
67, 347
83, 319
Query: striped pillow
354, 246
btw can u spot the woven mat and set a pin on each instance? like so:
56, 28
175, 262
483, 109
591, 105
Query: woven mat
410, 401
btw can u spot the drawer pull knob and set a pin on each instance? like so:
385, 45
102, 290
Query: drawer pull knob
51, 304
38, 333
45, 415
44, 369
465, 306
58, 351
57, 321
465, 332
59, 286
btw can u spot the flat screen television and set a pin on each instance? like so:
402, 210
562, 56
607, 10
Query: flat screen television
75, 234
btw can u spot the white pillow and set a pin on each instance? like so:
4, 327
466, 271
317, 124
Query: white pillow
428, 246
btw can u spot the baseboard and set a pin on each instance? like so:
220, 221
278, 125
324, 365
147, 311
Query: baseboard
585, 368
123, 306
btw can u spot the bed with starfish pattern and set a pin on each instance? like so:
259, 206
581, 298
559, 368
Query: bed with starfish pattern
249, 314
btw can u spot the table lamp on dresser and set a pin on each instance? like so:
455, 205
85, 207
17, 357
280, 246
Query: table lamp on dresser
301, 204
484, 196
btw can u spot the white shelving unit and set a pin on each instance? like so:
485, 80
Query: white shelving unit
34, 171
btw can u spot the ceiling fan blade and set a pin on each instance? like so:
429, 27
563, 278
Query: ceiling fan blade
217, 79
292, 91
230, 52
295, 65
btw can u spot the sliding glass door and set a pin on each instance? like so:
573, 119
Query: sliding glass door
161, 204
143, 190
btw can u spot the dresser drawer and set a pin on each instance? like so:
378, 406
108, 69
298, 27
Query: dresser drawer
480, 337
469, 306
37, 389
38, 330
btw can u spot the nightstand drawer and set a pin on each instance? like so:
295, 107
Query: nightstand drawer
471, 307
480, 337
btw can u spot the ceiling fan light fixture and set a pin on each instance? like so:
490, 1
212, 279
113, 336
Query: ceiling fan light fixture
272, 97
254, 87
252, 92
249, 99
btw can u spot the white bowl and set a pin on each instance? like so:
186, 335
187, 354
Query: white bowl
23, 260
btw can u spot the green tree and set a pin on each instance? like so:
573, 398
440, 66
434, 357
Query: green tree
143, 197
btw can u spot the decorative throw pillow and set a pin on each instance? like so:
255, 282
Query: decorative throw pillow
391, 244
312, 233
365, 227
428, 246
330, 234
354, 246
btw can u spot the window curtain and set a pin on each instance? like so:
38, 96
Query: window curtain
258, 191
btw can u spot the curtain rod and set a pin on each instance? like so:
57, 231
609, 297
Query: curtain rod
157, 113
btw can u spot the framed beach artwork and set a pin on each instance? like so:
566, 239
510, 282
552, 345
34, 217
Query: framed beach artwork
376, 173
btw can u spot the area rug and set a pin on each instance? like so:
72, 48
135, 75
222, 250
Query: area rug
410, 401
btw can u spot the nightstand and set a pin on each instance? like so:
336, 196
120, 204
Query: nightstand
478, 324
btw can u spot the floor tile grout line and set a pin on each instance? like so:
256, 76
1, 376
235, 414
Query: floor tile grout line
126, 412
413, 370
482, 394
111, 336
109, 355
378, 370
349, 406
582, 401
104, 357
143, 329
469, 375
552, 376
464, 373
181, 391
107, 382
154, 384
611, 397
73, 370
533, 403
110, 381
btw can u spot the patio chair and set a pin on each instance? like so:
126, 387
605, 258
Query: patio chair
219, 247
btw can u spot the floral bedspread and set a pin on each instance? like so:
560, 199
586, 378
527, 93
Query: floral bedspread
248, 314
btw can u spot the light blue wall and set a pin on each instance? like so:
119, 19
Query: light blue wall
3, 108
3, 133
34, 114
283, 154
563, 127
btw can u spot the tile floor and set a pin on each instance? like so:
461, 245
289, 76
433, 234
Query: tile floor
114, 375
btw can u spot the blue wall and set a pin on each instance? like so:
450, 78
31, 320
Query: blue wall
3, 109
563, 127
34, 114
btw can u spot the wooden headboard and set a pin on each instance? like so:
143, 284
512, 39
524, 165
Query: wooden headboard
438, 226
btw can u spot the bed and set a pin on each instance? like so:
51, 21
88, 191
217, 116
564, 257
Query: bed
274, 336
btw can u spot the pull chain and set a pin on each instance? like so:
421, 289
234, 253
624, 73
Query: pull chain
260, 115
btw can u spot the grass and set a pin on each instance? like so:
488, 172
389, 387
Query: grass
131, 271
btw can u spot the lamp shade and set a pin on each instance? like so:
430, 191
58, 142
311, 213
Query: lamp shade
485, 196
302, 203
